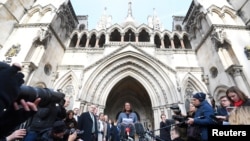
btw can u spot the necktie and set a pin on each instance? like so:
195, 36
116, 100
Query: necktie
93, 126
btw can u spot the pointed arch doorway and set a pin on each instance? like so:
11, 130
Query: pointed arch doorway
130, 90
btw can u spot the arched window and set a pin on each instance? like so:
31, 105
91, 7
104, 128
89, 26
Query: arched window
177, 42
115, 36
129, 36
102, 40
157, 41
92, 40
81, 27
178, 28
186, 42
144, 36
83, 41
167, 41
73, 41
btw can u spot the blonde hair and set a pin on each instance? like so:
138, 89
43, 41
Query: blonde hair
240, 116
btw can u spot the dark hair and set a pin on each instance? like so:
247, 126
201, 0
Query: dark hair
162, 115
223, 97
236, 90
69, 112
124, 110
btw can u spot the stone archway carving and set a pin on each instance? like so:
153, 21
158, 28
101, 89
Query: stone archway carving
155, 79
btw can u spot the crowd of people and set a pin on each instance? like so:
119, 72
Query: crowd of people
26, 120
233, 109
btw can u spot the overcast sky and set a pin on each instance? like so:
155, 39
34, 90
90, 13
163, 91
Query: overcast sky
141, 9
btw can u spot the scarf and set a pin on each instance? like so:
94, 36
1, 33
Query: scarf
238, 103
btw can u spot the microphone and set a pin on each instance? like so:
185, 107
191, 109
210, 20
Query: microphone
122, 131
139, 129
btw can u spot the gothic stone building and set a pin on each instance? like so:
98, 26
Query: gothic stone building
207, 50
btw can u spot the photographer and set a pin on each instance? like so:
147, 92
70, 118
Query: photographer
57, 133
203, 114
44, 119
13, 112
179, 121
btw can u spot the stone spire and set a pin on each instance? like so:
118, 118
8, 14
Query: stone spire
130, 19
154, 21
129, 9
105, 21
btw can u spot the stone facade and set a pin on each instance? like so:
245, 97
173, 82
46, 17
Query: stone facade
151, 67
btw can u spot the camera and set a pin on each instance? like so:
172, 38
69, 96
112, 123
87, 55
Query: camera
48, 96
73, 130
78, 132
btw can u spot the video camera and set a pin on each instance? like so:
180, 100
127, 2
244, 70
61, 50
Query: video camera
48, 96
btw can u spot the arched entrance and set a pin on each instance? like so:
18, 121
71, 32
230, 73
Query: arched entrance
130, 90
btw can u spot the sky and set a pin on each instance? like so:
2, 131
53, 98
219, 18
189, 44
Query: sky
141, 9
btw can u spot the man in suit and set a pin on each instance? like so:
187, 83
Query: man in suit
108, 127
76, 113
88, 122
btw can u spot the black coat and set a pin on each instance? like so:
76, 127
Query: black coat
165, 130
85, 123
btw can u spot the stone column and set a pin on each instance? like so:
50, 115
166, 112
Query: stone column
136, 37
122, 37
152, 38
172, 43
87, 42
236, 72
78, 42
97, 42
27, 69
107, 38
182, 44
162, 43
156, 119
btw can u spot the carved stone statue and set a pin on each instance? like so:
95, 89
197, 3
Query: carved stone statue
218, 36
43, 36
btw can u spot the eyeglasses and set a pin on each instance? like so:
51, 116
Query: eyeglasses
224, 100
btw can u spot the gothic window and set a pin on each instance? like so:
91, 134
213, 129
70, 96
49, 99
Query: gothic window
144, 36
83, 41
178, 28
129, 36
186, 42
177, 42
247, 52
167, 41
214, 72
102, 40
115, 36
73, 41
189, 94
69, 90
81, 27
47, 69
157, 41
92, 41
